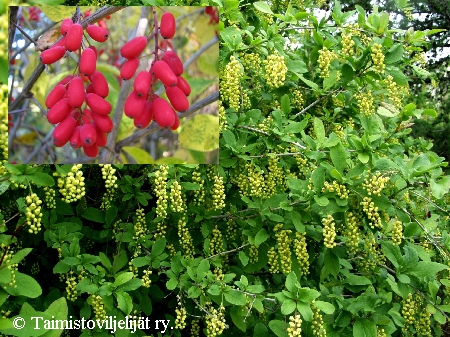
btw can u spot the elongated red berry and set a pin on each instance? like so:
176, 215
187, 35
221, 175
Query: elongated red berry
163, 72
97, 33
163, 113
88, 134
104, 123
143, 83
134, 105
167, 26
52, 55
174, 62
76, 92
88, 62
66, 80
63, 131
89, 89
176, 124
184, 85
59, 111
75, 140
177, 98
91, 151
55, 95
145, 117
74, 37
129, 68
65, 25
102, 138
98, 104
134, 47
61, 43
99, 84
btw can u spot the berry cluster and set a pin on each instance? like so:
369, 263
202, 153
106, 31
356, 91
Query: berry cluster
34, 13
329, 231
142, 104
195, 328
33, 213
80, 126
275, 70
408, 309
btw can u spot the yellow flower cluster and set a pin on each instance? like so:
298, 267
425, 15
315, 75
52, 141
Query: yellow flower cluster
185, 238
215, 321
284, 247
216, 242
329, 231
325, 58
180, 320
140, 228
253, 253
49, 197
266, 124
199, 195
4, 35
176, 200
218, 193
365, 103
230, 87
3, 121
423, 324
397, 231
275, 177
298, 100
317, 323
295, 326
275, 70
146, 278
375, 184
223, 124
108, 175
251, 62
71, 285
195, 328
371, 212
409, 309
33, 213
352, 232
274, 265
160, 190
99, 307
378, 58
394, 93
71, 186
347, 44
340, 190
301, 252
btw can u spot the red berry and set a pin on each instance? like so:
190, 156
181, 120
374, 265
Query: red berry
163, 72
89, 89
65, 25
94, 48
103, 122
184, 85
52, 55
176, 124
86, 117
102, 138
98, 104
76, 92
63, 131
134, 47
59, 111
145, 117
55, 95
88, 134
129, 68
91, 151
99, 84
168, 25
134, 105
177, 98
74, 37
142, 83
174, 62
61, 43
75, 140
66, 80
97, 33
163, 113
88, 62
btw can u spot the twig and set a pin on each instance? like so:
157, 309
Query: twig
228, 251
318, 101
431, 202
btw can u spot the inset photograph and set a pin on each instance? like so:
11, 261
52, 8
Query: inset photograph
123, 85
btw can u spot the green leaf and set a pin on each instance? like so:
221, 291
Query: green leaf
285, 104
441, 187
326, 307
139, 155
288, 307
319, 130
158, 247
93, 214
392, 252
200, 133
42, 179
190, 186
347, 74
194, 292
131, 285
292, 284
61, 268
26, 286
278, 328
308, 82
171, 284
364, 328
243, 258
202, 269
338, 157
296, 127
141, 261
20, 255
104, 261
261, 236
124, 302
307, 295
394, 54
122, 278
424, 269
263, 7
305, 311
235, 297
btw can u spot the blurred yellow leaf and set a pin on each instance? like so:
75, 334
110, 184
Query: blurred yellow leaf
200, 133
